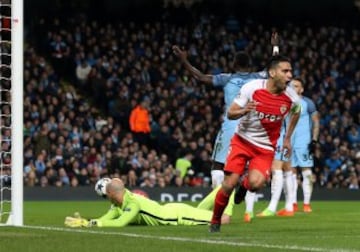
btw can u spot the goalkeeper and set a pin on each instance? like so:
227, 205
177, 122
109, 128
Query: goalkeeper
132, 209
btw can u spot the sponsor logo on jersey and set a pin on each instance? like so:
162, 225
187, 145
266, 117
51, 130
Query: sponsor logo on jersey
269, 117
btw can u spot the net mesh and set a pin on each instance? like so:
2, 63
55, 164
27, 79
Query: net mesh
5, 109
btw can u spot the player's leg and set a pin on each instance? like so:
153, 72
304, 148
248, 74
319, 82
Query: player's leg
277, 179
295, 189
288, 210
277, 182
307, 186
256, 179
217, 173
306, 162
208, 204
250, 198
259, 169
235, 166
188, 215
221, 150
222, 199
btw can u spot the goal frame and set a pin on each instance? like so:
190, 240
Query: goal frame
16, 217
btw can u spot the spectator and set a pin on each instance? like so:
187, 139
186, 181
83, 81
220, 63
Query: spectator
333, 162
140, 122
134, 61
82, 72
183, 164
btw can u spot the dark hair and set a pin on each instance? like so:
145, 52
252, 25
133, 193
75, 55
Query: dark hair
275, 60
299, 79
241, 60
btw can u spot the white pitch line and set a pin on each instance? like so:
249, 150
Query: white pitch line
184, 239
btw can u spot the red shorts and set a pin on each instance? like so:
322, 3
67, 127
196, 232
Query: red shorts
242, 151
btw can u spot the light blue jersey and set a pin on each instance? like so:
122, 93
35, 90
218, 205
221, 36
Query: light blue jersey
231, 84
301, 137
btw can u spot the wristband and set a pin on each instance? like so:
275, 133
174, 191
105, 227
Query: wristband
275, 50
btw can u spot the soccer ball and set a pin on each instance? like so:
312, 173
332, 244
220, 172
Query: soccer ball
100, 186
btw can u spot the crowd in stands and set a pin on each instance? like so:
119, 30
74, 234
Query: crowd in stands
84, 80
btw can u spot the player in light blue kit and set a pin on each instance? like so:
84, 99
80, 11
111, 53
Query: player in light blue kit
303, 142
231, 84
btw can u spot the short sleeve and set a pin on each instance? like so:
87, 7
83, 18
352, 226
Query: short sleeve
221, 79
311, 106
260, 75
244, 95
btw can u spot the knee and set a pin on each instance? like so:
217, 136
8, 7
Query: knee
256, 182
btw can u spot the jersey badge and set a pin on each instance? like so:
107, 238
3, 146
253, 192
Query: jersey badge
283, 109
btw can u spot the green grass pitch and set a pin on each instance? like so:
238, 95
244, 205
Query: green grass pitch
333, 226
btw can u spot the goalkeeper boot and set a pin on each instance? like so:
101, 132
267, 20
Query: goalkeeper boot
266, 213
285, 213
248, 216
307, 208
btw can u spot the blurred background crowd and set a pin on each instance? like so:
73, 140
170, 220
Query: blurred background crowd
108, 97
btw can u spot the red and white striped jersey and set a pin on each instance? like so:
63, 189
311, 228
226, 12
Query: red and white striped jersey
262, 126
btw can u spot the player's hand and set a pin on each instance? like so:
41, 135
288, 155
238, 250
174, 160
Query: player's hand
75, 222
274, 39
286, 149
250, 106
182, 54
312, 147
93, 223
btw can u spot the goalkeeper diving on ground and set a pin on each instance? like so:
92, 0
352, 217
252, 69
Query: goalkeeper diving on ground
132, 209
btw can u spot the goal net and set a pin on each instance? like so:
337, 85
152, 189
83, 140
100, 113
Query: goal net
11, 112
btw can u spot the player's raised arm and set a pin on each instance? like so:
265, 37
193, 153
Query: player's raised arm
275, 43
196, 73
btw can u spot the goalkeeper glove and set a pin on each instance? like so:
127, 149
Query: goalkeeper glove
312, 147
76, 222
93, 223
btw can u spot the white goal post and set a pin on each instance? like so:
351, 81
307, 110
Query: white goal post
17, 68
16, 19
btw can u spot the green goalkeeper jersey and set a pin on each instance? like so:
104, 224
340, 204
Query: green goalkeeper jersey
138, 210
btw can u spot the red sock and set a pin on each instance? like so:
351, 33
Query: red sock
221, 201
